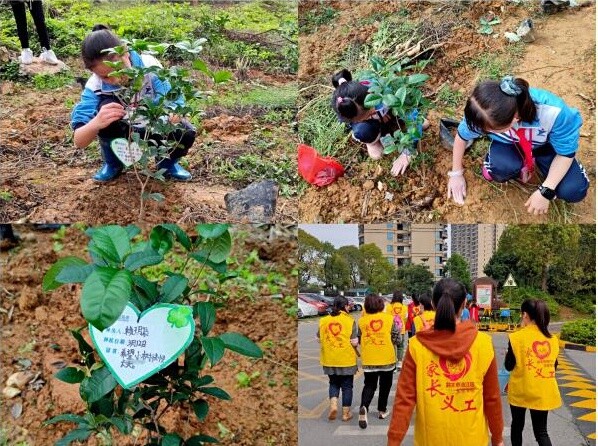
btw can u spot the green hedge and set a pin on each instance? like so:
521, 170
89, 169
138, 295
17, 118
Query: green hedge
582, 331
515, 297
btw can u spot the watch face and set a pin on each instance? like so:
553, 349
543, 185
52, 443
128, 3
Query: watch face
547, 193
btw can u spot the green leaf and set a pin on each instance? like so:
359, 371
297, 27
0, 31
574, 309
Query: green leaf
207, 315
74, 435
99, 384
222, 76
150, 289
123, 425
201, 408
210, 230
215, 391
70, 417
104, 296
201, 66
111, 243
417, 78
214, 348
199, 440
180, 234
216, 249
70, 375
401, 94
171, 440
241, 344
75, 273
84, 348
50, 283
173, 288
390, 149
218, 267
372, 100
140, 259
377, 63
161, 239
132, 231
390, 100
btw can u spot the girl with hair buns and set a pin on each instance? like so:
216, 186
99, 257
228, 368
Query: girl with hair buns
532, 360
450, 376
337, 334
528, 127
368, 125
100, 113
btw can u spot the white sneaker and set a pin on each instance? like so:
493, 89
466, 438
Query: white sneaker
382, 415
26, 56
363, 417
49, 57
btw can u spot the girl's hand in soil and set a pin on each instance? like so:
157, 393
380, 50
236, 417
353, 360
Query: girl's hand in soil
108, 114
537, 204
457, 187
400, 165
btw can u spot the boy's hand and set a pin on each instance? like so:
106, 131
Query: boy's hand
108, 114
537, 204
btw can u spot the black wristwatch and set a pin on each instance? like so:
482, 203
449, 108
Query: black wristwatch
547, 192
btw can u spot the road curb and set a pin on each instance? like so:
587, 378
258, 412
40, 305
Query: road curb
579, 347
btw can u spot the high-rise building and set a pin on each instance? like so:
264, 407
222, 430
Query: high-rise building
476, 243
404, 243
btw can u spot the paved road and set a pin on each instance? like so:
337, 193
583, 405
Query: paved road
577, 376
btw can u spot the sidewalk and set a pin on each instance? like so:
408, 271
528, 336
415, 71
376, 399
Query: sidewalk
572, 424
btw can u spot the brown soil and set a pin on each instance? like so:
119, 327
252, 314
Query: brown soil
44, 178
561, 60
35, 328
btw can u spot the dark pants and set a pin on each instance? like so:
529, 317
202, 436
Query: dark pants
369, 388
37, 13
338, 382
121, 129
539, 420
504, 162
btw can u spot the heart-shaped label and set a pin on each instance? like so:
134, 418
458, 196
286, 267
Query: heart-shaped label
541, 349
139, 345
376, 324
335, 328
128, 154
455, 370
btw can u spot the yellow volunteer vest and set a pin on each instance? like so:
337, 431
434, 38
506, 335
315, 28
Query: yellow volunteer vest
400, 309
335, 344
428, 316
533, 382
450, 404
376, 345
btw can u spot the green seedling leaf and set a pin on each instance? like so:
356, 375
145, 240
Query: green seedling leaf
104, 296
216, 249
161, 239
211, 231
171, 440
241, 344
222, 76
72, 418
199, 440
174, 286
416, 79
215, 391
180, 235
201, 408
207, 315
74, 435
372, 100
50, 281
140, 259
214, 348
201, 66
111, 243
201, 258
70, 375
179, 317
100, 383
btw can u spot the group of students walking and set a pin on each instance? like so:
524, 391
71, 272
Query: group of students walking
448, 369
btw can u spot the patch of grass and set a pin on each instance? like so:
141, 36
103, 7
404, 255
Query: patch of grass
449, 100
390, 34
273, 97
479, 148
497, 65
52, 81
5, 195
317, 17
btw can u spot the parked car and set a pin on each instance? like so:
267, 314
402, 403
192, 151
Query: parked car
358, 302
329, 300
305, 310
321, 307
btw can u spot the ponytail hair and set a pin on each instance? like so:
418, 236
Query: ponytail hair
92, 49
537, 310
340, 303
448, 297
397, 296
348, 97
493, 104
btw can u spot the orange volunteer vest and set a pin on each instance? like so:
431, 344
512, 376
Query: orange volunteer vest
376, 344
533, 382
450, 403
335, 344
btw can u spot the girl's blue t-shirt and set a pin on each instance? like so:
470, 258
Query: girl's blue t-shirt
556, 123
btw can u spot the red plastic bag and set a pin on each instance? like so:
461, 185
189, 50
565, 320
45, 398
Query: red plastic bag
316, 169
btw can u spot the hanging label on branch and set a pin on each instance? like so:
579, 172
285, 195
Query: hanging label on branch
138, 345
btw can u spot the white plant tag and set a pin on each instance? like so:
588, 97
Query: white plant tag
127, 154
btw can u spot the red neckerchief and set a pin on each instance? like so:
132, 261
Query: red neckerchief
526, 146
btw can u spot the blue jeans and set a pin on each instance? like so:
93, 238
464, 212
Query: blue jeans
504, 162
338, 382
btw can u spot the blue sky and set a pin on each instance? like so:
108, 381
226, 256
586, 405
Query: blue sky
338, 235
